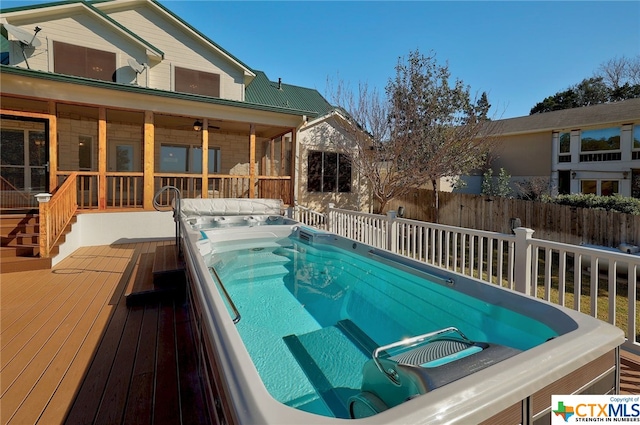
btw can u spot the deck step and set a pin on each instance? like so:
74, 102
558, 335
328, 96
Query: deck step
158, 275
24, 264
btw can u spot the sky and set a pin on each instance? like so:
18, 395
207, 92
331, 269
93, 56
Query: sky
518, 52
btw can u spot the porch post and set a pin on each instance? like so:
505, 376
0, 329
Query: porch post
53, 146
205, 158
292, 173
523, 261
252, 161
102, 158
149, 160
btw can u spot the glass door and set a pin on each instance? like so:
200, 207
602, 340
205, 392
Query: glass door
24, 167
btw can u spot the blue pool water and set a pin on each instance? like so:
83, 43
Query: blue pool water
312, 315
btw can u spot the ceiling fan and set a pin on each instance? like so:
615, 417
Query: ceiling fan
197, 126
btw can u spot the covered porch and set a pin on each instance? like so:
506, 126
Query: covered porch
124, 144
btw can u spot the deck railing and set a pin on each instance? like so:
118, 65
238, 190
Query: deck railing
125, 190
310, 217
602, 283
55, 214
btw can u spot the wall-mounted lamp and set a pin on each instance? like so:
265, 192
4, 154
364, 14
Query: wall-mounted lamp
573, 174
197, 126
625, 174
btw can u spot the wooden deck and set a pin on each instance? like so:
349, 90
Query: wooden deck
73, 352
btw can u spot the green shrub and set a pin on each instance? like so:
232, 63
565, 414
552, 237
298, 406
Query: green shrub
609, 203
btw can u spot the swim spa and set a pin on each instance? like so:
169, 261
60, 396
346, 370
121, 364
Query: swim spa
295, 325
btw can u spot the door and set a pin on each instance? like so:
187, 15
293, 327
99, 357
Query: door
24, 165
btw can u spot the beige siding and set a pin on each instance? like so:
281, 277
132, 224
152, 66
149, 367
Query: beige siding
79, 29
315, 138
180, 49
524, 155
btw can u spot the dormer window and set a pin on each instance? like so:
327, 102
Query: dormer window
84, 62
197, 82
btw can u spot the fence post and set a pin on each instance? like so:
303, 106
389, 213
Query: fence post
391, 231
43, 223
328, 221
522, 262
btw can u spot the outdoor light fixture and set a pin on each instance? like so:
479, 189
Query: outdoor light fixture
625, 174
573, 174
197, 126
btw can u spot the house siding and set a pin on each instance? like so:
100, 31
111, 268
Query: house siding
180, 50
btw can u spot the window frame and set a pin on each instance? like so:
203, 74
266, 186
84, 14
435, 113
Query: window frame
81, 61
190, 166
341, 182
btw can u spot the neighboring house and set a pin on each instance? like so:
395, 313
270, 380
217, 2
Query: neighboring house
131, 98
594, 149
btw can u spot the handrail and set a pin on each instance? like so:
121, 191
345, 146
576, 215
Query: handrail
227, 296
391, 373
176, 211
56, 213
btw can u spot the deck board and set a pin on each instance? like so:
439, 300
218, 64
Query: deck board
78, 354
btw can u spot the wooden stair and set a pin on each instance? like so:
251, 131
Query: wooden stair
158, 275
19, 243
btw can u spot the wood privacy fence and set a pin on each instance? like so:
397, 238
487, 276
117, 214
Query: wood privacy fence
559, 223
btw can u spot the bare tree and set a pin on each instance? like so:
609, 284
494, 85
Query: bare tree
423, 130
617, 72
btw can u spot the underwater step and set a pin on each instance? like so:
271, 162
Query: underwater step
357, 336
332, 363
257, 274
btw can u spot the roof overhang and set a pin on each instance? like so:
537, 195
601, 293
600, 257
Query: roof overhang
268, 121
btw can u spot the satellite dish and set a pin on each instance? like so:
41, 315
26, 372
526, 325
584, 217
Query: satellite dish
137, 67
24, 36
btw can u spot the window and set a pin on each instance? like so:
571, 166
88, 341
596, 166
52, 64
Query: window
328, 172
564, 147
635, 183
196, 160
600, 187
84, 62
187, 159
197, 82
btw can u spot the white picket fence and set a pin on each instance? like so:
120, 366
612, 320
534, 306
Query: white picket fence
594, 281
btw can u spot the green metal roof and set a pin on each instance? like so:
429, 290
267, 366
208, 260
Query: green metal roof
264, 92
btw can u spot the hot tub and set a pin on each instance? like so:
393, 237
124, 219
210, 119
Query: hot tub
300, 326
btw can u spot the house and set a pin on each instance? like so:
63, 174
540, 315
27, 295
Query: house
593, 149
126, 97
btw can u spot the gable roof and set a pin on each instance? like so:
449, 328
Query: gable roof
105, 5
41, 10
625, 111
262, 91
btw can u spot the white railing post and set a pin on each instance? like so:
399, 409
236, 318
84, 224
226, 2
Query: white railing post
523, 260
328, 219
392, 240
44, 223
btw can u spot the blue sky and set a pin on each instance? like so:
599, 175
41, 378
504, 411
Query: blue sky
519, 52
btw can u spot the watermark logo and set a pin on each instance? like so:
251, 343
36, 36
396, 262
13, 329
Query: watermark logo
571, 409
